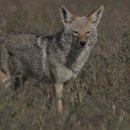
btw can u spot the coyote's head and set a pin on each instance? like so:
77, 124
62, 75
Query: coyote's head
81, 31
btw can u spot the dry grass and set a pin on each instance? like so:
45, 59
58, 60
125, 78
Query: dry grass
100, 97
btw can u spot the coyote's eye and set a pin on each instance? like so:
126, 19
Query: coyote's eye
75, 33
88, 33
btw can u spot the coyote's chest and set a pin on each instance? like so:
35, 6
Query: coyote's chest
75, 63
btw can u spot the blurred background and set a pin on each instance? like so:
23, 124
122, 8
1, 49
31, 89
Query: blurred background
99, 99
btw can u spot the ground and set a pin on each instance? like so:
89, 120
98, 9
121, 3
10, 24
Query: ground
99, 99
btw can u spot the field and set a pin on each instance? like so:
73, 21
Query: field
99, 99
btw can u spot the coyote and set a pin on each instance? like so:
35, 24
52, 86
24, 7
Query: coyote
58, 57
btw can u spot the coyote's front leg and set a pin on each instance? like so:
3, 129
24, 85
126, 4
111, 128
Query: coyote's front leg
58, 94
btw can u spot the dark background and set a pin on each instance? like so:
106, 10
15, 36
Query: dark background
99, 99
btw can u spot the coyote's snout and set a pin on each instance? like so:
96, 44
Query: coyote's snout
59, 57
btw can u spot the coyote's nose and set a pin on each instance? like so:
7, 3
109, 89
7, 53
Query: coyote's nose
82, 43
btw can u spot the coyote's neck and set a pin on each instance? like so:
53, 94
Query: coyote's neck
74, 57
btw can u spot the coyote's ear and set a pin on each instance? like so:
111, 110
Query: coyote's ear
96, 15
66, 15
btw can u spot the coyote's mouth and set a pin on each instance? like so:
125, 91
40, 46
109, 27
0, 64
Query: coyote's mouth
82, 47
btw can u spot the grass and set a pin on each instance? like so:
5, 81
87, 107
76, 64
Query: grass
99, 98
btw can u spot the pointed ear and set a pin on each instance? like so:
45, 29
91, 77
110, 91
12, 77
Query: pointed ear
96, 15
66, 15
